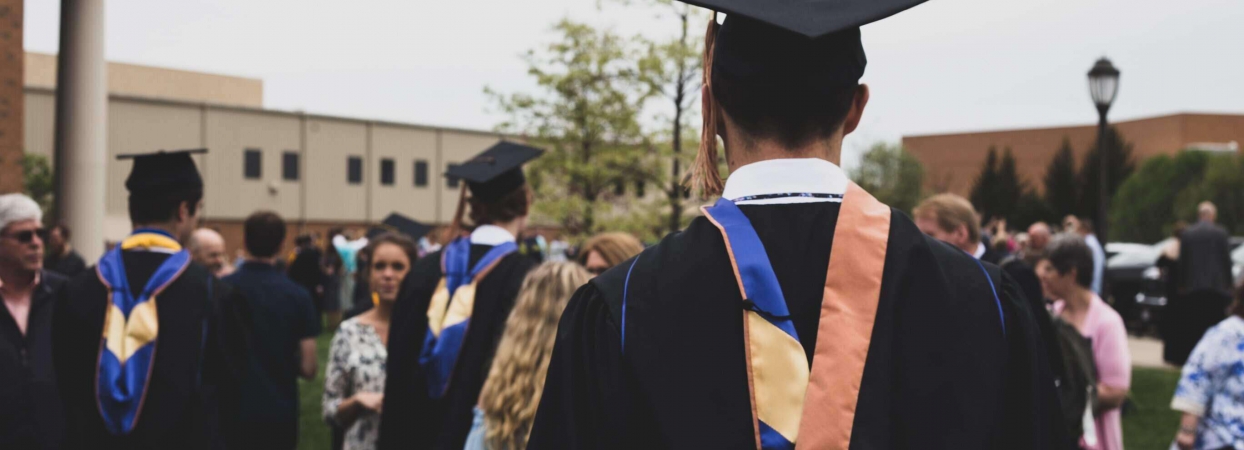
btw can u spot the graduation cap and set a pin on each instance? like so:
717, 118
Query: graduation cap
163, 171
497, 171
795, 50
397, 223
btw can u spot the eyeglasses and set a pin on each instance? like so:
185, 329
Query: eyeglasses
28, 236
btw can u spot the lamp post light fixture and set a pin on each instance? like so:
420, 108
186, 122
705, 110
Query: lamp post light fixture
1103, 86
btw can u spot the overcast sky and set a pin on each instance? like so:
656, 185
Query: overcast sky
945, 66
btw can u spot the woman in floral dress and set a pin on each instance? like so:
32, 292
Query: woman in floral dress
354, 383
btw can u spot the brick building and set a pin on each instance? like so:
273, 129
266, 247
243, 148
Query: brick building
11, 96
952, 161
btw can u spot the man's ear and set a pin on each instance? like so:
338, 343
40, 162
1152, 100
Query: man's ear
857, 110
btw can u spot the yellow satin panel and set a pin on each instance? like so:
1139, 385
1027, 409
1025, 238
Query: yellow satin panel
436, 308
461, 306
150, 240
780, 376
124, 337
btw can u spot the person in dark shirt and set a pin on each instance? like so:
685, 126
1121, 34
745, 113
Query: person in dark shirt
307, 271
30, 413
284, 324
61, 257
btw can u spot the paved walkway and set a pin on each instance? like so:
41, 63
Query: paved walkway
1147, 352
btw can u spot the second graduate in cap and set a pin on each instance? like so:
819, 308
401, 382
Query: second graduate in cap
455, 303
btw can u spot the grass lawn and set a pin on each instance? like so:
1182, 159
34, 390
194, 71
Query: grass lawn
314, 433
1150, 425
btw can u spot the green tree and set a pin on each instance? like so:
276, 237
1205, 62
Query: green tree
671, 70
1009, 188
587, 116
985, 185
40, 183
1144, 209
1222, 184
1121, 165
1061, 183
1029, 209
890, 174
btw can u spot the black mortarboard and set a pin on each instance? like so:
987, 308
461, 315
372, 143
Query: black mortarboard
164, 171
397, 223
497, 171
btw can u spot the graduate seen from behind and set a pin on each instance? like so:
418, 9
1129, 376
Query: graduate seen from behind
799, 311
453, 307
147, 345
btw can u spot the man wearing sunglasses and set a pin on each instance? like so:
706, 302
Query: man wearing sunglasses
30, 414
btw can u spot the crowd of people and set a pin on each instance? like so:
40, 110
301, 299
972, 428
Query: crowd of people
798, 310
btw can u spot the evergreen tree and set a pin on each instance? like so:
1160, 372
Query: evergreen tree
892, 175
985, 185
1061, 182
1121, 165
1008, 189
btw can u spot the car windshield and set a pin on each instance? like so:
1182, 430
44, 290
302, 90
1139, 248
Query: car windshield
1136, 254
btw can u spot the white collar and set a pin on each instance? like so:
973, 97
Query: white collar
491, 235
980, 250
786, 176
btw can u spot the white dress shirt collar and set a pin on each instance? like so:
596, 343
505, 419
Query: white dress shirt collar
980, 250
491, 235
786, 176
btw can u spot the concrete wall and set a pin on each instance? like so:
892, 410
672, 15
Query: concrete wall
158, 82
953, 161
320, 199
11, 98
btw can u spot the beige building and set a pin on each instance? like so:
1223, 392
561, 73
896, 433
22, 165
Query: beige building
316, 171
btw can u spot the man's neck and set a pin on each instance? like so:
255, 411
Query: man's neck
16, 279
271, 261
68, 249
165, 227
741, 155
513, 227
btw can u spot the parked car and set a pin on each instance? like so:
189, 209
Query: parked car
1138, 286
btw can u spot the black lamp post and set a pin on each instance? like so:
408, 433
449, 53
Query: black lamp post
1103, 85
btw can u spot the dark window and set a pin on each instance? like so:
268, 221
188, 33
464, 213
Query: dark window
639, 188
451, 181
289, 166
386, 172
619, 188
253, 161
354, 170
421, 173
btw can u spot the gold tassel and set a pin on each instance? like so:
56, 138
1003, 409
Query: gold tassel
705, 176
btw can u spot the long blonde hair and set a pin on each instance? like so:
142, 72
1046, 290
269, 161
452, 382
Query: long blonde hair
516, 380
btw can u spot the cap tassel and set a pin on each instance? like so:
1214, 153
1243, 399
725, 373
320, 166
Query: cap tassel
455, 227
705, 176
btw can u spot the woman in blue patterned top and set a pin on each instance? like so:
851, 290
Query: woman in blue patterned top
1212, 386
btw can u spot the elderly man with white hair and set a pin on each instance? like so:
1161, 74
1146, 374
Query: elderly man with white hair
1204, 284
207, 247
30, 412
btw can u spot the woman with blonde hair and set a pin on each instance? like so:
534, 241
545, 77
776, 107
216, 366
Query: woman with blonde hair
508, 402
606, 250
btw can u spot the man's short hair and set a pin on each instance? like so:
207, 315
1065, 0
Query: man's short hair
63, 228
264, 234
162, 207
791, 118
18, 208
950, 211
1068, 251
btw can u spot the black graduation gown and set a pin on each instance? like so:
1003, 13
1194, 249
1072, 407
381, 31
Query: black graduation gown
938, 375
198, 359
411, 419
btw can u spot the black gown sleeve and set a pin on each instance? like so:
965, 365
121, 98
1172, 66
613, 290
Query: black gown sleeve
1033, 416
406, 422
583, 402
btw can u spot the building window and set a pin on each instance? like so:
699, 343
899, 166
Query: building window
289, 166
253, 164
421, 173
354, 170
386, 172
619, 188
450, 180
639, 188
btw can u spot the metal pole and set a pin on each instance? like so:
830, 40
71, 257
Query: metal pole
1103, 203
82, 124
